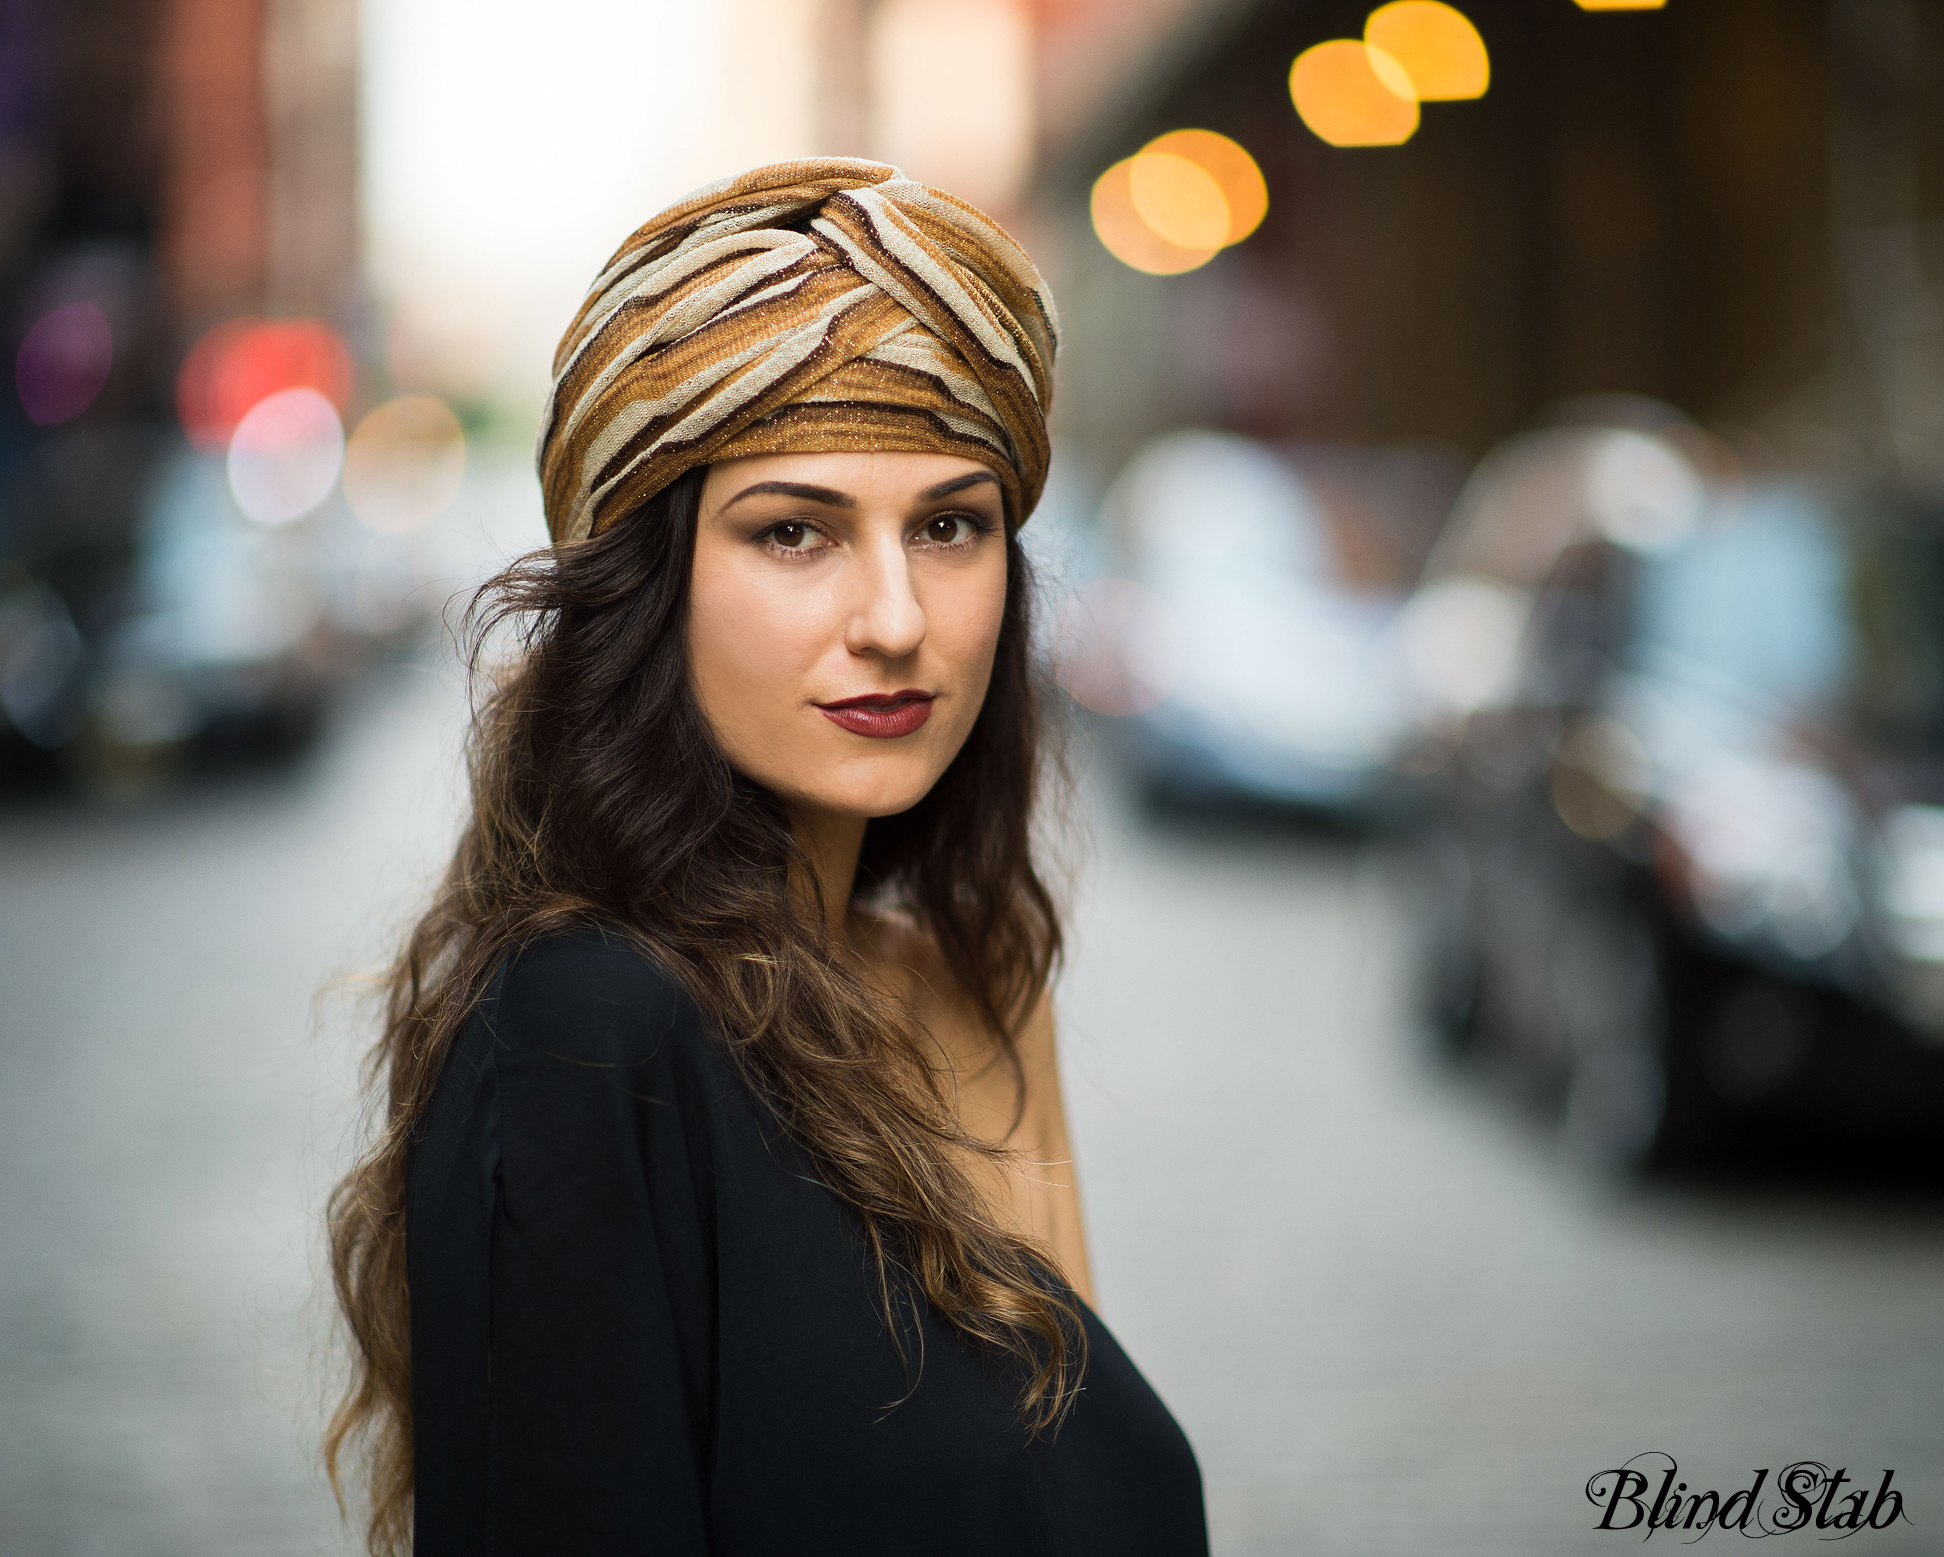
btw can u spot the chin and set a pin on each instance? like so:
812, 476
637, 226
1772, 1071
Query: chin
884, 795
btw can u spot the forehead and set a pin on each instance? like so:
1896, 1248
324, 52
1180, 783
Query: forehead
881, 476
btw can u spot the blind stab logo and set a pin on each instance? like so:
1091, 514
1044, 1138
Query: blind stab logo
1805, 1495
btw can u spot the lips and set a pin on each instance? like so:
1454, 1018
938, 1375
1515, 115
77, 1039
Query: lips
881, 715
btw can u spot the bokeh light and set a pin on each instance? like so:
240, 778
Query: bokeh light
239, 363
1178, 200
285, 455
1601, 777
1126, 235
1460, 641
403, 465
1436, 44
1642, 492
1231, 167
63, 363
1351, 94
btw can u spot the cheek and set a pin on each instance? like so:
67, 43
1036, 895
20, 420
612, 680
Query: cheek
749, 648
966, 633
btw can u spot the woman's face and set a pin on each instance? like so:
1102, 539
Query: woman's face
843, 614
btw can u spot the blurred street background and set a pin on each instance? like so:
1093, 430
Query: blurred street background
1494, 568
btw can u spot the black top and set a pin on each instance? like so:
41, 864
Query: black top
641, 1325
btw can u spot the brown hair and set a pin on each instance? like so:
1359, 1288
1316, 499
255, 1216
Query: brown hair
600, 796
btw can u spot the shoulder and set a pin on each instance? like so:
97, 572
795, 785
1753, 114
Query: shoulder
909, 959
908, 963
895, 940
590, 997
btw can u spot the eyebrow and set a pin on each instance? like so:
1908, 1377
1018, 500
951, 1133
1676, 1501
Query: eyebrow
956, 484
828, 496
832, 498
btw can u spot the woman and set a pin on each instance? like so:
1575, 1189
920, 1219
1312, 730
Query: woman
724, 1202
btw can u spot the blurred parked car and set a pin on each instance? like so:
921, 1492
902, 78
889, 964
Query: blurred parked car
1248, 659
1690, 846
142, 635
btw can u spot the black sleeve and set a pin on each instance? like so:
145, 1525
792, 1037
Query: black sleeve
562, 1267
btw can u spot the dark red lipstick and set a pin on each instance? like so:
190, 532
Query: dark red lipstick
883, 715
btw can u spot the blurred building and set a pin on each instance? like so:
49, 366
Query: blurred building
874, 88
165, 166
1731, 207
206, 148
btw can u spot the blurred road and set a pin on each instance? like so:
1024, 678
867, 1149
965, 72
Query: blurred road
172, 1109
1389, 1319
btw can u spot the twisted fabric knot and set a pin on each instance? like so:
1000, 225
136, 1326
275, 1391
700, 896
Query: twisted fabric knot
802, 307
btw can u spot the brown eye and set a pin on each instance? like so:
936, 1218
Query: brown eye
790, 536
945, 529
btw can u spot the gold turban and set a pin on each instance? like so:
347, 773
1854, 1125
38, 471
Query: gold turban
802, 307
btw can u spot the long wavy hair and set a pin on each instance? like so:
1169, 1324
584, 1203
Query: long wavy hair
600, 796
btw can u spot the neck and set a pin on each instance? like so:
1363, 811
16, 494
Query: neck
831, 843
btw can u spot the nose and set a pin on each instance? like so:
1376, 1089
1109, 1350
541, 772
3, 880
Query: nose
885, 617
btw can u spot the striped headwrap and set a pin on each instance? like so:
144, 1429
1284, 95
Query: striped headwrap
803, 307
